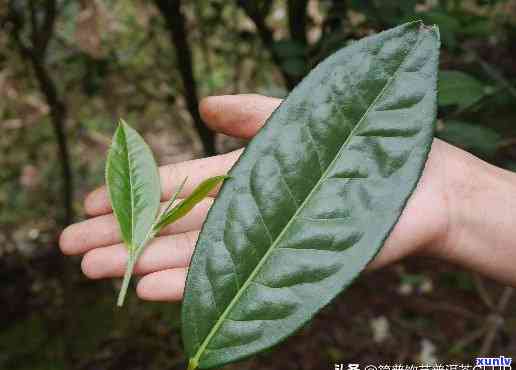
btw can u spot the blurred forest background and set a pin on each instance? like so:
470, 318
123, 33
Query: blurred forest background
69, 69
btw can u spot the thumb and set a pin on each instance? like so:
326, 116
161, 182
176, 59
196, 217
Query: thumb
237, 115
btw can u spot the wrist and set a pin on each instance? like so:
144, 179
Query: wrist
453, 178
480, 203
424, 225
437, 196
463, 177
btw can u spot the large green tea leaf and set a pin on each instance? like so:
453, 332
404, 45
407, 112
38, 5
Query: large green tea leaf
133, 184
314, 195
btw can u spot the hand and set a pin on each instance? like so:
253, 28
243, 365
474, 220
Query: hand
427, 226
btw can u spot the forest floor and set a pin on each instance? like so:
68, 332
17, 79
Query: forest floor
417, 312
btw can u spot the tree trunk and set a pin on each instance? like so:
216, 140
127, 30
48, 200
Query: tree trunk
41, 33
175, 21
58, 118
297, 18
297, 24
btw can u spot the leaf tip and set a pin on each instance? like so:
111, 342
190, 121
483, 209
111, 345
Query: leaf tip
120, 129
124, 126
434, 28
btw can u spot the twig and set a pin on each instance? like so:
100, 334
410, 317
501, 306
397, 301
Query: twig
470, 338
445, 307
482, 292
507, 142
504, 300
495, 75
495, 321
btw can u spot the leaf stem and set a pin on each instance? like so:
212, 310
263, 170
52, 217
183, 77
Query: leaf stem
127, 278
192, 364
159, 223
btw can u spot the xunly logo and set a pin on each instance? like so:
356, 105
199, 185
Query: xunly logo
501, 361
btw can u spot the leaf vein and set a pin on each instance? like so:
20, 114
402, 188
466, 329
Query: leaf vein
316, 150
287, 186
131, 189
262, 220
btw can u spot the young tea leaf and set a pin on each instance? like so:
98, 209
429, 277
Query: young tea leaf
170, 203
187, 204
132, 180
313, 197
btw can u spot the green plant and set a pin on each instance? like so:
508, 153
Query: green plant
313, 197
480, 140
134, 188
460, 89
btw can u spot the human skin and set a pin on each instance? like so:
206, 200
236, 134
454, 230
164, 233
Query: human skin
462, 211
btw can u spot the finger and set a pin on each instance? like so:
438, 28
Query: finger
171, 176
103, 230
237, 115
165, 285
166, 252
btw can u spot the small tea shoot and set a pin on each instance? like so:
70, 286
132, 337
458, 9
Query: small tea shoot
132, 179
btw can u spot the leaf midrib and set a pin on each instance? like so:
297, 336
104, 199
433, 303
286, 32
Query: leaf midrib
255, 271
131, 189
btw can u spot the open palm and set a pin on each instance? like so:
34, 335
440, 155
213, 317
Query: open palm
163, 265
